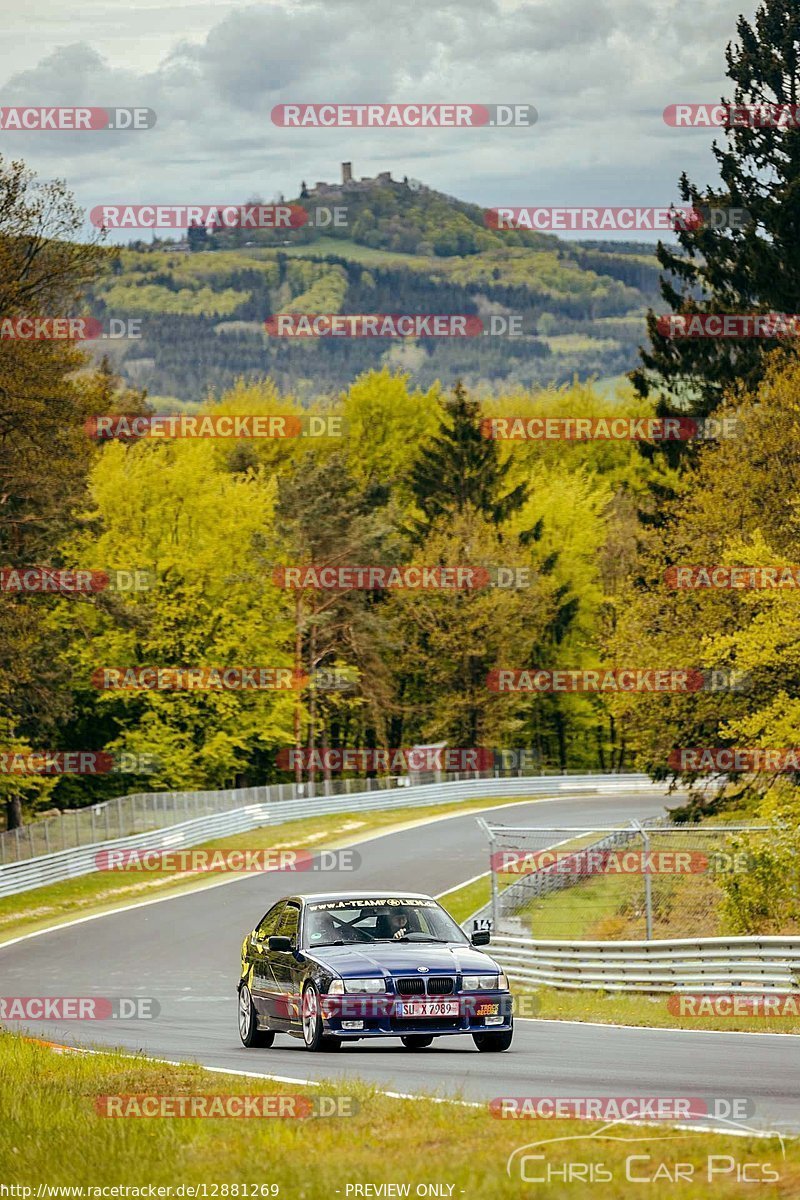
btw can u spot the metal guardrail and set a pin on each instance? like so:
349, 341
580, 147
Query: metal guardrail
65, 864
741, 964
145, 811
69, 864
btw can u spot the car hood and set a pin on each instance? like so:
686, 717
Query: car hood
399, 958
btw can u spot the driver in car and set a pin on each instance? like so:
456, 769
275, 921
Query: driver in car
398, 925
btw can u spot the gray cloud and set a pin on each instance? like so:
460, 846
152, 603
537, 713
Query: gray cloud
600, 73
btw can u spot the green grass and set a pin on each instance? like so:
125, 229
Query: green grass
52, 1134
465, 899
630, 318
615, 1009
608, 909
462, 902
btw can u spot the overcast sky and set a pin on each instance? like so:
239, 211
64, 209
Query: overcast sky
600, 73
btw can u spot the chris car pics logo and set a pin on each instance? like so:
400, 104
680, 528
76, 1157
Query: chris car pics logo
580, 1159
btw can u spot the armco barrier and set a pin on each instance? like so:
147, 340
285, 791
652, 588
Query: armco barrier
257, 808
759, 965
68, 864
146, 811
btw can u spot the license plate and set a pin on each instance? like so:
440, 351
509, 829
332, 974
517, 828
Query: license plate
429, 1008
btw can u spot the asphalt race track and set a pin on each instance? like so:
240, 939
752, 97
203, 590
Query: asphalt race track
184, 952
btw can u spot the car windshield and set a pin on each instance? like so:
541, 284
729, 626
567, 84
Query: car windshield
341, 922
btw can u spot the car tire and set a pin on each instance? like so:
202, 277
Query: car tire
493, 1043
311, 1013
417, 1041
249, 1032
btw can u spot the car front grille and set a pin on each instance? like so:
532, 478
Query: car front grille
413, 986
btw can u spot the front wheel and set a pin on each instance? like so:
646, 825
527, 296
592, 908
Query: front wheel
416, 1041
493, 1042
249, 1032
313, 1036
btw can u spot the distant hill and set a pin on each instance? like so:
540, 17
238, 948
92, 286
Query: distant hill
406, 249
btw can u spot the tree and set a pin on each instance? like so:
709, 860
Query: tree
736, 270
459, 468
447, 642
327, 520
731, 510
44, 451
16, 787
206, 535
197, 236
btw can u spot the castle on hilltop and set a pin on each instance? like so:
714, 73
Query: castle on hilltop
336, 191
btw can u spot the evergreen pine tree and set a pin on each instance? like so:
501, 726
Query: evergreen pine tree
460, 468
728, 270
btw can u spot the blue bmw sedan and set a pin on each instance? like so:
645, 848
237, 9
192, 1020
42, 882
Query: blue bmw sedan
343, 966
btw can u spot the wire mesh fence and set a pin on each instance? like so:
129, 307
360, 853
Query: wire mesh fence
120, 817
649, 879
127, 815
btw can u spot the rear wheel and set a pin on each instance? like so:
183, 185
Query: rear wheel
249, 1032
416, 1041
493, 1042
313, 1036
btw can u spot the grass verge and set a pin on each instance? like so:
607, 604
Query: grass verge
462, 902
53, 1135
636, 1009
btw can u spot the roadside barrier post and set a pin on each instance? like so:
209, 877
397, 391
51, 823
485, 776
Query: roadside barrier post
648, 883
492, 873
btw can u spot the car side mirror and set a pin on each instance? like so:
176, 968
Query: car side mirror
277, 942
480, 937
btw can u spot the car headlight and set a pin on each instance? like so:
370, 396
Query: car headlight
364, 985
336, 987
483, 983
